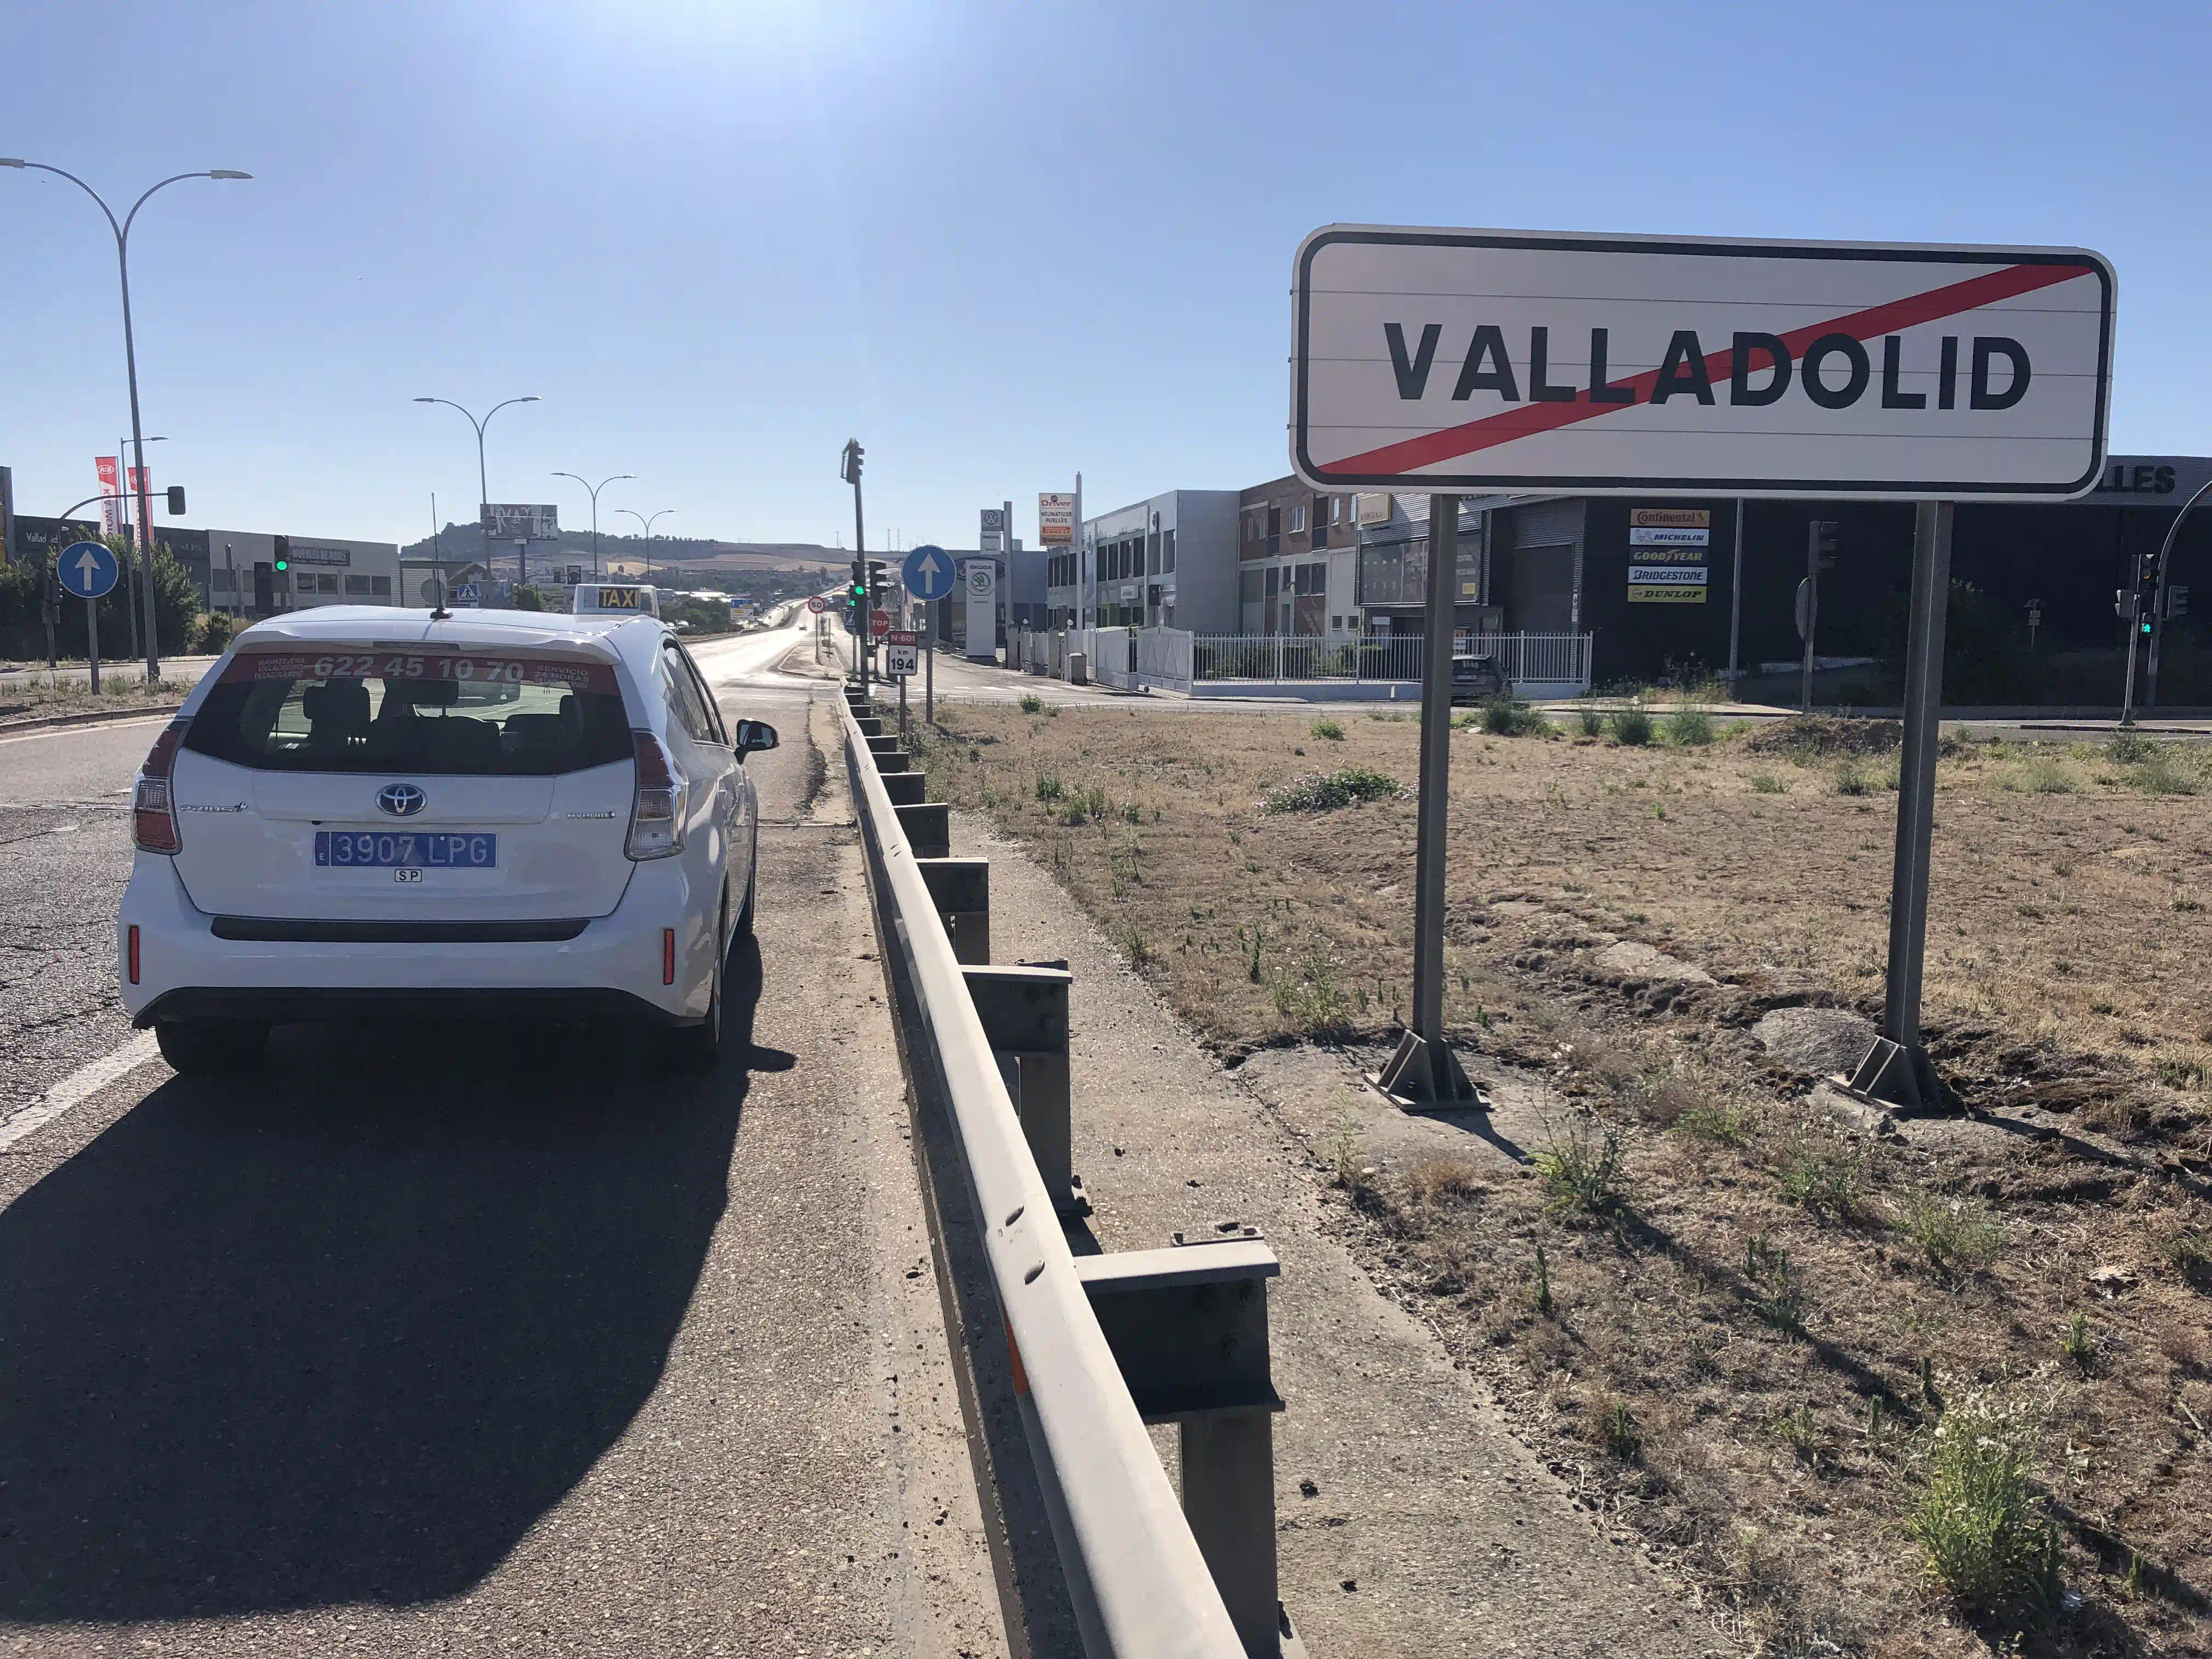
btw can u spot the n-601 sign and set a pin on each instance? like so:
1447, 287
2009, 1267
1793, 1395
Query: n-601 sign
1469, 360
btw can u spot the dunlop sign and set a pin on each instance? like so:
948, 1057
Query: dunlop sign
1479, 360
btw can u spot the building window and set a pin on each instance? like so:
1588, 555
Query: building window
380, 586
1167, 554
1297, 523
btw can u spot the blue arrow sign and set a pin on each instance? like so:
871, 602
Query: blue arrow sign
88, 569
927, 572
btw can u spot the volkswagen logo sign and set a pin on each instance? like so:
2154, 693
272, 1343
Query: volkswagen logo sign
401, 800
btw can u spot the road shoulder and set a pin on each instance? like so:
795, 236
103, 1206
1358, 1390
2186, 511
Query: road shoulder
1428, 1527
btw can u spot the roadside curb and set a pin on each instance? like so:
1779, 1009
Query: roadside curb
96, 717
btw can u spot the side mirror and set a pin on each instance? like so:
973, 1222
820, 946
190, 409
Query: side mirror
752, 735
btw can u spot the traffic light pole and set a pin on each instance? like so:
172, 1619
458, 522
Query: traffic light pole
2158, 616
864, 636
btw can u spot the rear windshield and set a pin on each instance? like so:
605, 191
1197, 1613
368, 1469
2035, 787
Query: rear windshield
423, 712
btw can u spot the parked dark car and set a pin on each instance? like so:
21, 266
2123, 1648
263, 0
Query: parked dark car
1476, 679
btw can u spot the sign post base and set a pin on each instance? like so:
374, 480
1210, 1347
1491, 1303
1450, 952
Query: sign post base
1896, 1075
1423, 1077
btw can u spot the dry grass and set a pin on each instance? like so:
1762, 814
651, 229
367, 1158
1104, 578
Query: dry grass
120, 688
1754, 1323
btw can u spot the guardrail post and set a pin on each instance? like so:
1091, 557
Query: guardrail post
1188, 1327
929, 827
869, 725
1024, 1010
905, 788
961, 890
881, 742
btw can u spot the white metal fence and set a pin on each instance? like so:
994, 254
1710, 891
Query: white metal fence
1549, 662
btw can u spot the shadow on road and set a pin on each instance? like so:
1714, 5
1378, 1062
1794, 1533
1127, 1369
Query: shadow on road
346, 1332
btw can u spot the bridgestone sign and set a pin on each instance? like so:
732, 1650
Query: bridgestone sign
1485, 361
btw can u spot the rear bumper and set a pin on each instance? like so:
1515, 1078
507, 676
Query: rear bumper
609, 965
304, 1004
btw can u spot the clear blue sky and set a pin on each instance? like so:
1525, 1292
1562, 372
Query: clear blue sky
999, 243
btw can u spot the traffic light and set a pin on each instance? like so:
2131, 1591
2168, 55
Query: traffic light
2146, 570
848, 467
1826, 533
283, 545
176, 501
2125, 602
856, 591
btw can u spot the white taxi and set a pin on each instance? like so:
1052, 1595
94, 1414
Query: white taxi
361, 810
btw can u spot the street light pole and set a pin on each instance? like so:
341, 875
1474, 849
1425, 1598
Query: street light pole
131, 362
595, 489
649, 524
130, 591
484, 485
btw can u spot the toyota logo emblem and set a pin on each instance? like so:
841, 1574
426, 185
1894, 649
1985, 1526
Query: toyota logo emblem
401, 800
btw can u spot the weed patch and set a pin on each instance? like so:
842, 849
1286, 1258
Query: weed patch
1324, 792
1980, 1524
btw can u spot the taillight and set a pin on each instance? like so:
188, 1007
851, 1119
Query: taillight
667, 956
656, 813
153, 807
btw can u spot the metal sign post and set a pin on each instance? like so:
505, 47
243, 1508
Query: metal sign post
88, 570
929, 573
1897, 1068
1424, 1070
1830, 370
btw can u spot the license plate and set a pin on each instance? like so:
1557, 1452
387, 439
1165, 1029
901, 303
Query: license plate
395, 849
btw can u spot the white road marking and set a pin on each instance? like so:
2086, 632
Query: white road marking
80, 1085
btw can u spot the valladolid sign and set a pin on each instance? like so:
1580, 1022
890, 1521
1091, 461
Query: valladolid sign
1481, 361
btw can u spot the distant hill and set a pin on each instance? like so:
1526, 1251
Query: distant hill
694, 556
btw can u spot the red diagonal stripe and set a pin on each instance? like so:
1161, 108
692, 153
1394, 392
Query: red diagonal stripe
1889, 317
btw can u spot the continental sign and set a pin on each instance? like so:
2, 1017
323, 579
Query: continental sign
1479, 360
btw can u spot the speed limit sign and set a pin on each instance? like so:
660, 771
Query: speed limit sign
818, 604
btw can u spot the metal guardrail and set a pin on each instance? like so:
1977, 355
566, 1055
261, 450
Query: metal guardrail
1102, 1344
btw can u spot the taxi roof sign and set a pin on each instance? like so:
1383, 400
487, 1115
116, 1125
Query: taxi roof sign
594, 597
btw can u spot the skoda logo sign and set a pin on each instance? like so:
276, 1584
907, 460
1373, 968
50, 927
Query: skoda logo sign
401, 800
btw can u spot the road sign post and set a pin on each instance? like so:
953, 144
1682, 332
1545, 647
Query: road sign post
1443, 361
88, 570
927, 574
1423, 1070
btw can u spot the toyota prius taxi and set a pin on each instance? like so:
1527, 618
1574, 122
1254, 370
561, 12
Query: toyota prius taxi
360, 809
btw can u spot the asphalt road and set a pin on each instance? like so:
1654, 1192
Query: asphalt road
474, 1338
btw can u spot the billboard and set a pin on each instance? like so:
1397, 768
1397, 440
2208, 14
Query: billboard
510, 520
1055, 519
1479, 360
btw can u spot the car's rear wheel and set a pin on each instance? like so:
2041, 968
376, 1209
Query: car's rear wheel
744, 928
211, 1047
695, 1048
